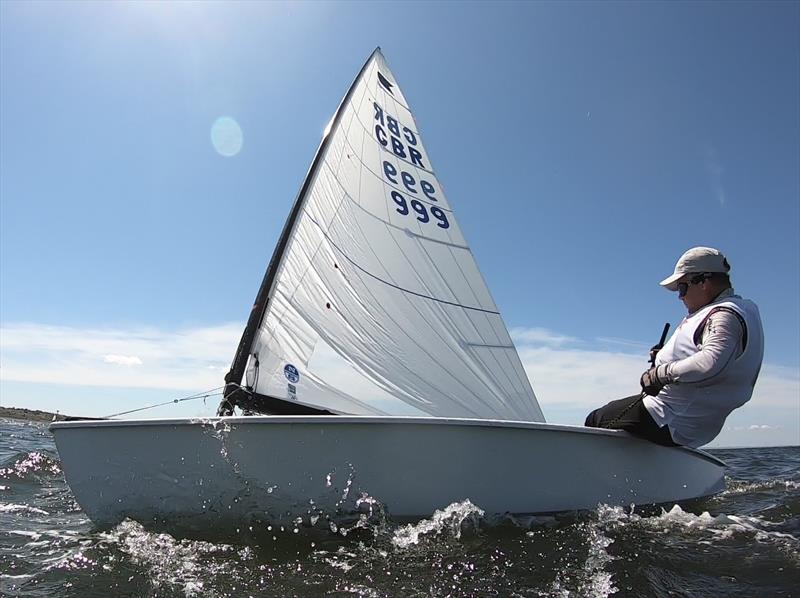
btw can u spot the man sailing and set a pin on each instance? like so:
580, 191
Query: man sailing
706, 369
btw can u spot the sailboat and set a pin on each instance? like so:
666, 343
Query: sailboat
371, 276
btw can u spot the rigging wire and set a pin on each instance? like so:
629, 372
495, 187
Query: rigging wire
194, 397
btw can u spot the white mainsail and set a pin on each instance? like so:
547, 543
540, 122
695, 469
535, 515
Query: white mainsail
377, 273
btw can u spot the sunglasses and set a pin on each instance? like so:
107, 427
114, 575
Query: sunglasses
683, 287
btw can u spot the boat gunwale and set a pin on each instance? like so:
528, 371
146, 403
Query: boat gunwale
368, 419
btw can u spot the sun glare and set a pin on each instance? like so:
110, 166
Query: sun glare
226, 136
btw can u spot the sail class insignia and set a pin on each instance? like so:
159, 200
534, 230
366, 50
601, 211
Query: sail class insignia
387, 85
291, 373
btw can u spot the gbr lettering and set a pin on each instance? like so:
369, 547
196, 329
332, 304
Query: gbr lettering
396, 137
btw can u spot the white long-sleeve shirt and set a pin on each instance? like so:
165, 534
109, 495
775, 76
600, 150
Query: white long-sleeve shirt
711, 363
721, 339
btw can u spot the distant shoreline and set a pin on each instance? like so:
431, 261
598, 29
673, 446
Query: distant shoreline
30, 414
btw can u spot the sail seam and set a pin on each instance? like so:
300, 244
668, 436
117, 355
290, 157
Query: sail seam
509, 360
488, 346
391, 284
487, 378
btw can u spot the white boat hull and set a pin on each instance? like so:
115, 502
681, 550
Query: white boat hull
200, 474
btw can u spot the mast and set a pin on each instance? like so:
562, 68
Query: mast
234, 376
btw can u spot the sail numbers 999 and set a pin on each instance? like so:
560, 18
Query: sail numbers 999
404, 143
420, 210
392, 175
390, 172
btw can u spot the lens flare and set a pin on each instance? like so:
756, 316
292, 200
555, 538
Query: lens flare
226, 136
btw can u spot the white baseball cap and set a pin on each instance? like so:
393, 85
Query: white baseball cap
695, 261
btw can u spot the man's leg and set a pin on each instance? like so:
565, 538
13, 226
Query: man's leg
612, 414
631, 415
647, 428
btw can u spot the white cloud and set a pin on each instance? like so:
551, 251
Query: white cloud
127, 360
588, 377
580, 378
185, 359
637, 346
778, 386
570, 382
754, 428
540, 336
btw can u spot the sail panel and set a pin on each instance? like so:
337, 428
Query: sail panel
378, 271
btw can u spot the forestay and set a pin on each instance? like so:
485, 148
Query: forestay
377, 301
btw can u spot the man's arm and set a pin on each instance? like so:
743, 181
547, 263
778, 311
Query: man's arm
722, 340
722, 344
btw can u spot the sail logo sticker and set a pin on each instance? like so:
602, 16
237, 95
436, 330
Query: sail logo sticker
291, 373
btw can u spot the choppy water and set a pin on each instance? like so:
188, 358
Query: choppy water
744, 542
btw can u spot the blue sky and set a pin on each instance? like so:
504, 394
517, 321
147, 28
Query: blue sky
584, 147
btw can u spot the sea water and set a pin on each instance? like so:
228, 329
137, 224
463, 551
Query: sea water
743, 542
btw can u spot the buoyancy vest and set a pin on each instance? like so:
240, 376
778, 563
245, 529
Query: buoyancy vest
696, 411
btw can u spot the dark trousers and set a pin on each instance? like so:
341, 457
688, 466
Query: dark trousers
630, 414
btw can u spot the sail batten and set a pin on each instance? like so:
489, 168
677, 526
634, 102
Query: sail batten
374, 267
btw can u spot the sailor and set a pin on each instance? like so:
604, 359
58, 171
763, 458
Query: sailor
706, 369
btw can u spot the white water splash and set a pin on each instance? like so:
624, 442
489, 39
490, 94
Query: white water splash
596, 582
372, 516
221, 430
13, 508
702, 528
170, 562
26, 533
591, 579
360, 590
448, 519
735, 488
337, 563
